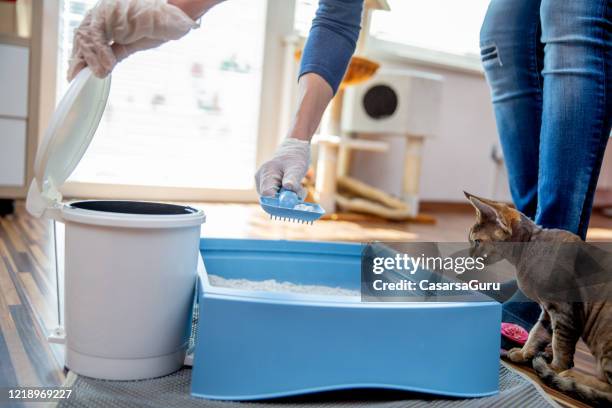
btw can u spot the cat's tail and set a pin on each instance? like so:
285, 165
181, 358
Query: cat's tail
570, 386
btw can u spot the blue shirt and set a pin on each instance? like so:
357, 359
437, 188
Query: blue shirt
332, 40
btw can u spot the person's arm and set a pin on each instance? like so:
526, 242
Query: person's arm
327, 53
332, 40
314, 94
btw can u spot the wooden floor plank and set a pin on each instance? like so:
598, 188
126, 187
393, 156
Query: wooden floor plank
37, 347
7, 372
6, 253
44, 257
27, 231
54, 356
23, 260
43, 308
7, 287
9, 228
45, 285
22, 367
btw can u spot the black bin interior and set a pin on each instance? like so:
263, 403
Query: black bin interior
134, 207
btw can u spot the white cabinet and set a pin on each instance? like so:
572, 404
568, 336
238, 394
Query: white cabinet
14, 81
14, 117
12, 152
21, 80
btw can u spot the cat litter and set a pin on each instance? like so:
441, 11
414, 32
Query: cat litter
271, 285
305, 207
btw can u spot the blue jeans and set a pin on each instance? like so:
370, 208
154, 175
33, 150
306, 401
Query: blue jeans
549, 66
548, 63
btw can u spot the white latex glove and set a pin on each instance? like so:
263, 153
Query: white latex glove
287, 169
114, 29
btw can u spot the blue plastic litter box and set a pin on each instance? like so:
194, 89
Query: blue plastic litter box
259, 344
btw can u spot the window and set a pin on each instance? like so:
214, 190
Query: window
445, 26
448, 26
182, 115
304, 13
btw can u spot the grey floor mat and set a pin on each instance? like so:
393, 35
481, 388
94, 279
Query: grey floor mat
173, 391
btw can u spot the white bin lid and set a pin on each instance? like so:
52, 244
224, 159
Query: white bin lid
70, 132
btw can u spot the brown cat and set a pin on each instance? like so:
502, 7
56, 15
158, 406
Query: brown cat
562, 323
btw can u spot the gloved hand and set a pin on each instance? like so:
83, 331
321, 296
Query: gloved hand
115, 29
287, 169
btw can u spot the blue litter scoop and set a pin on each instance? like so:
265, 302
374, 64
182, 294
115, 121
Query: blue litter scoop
287, 206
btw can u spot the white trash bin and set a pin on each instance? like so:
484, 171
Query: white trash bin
130, 267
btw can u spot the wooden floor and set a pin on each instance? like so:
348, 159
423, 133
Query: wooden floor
28, 308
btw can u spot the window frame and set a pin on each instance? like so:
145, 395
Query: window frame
279, 20
429, 57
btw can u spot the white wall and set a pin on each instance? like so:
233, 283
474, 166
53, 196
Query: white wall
459, 158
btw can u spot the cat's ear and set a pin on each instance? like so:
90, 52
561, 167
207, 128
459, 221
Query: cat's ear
484, 210
488, 211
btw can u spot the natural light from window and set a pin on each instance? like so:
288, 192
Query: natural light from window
184, 114
448, 26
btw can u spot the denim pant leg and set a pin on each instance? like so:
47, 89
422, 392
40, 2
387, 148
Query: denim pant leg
577, 107
512, 60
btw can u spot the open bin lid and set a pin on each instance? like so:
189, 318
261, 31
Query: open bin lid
70, 132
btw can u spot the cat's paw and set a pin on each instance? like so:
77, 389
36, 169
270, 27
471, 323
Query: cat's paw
519, 355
